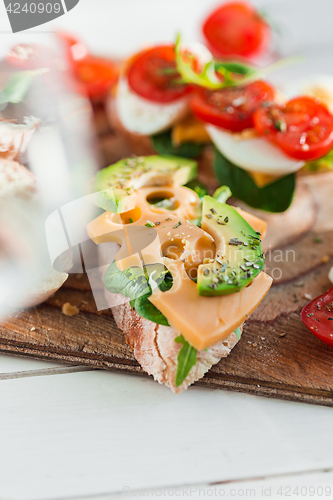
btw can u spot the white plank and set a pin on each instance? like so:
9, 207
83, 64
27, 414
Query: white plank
306, 485
10, 364
97, 432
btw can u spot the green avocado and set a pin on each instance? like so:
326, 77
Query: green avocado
238, 257
115, 184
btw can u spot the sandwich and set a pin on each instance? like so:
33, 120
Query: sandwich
183, 273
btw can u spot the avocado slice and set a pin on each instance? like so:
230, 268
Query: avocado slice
115, 184
238, 258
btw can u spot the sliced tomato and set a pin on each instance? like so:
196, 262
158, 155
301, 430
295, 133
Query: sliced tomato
302, 128
232, 107
318, 317
153, 75
97, 75
236, 29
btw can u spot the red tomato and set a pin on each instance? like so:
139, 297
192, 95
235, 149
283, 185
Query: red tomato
236, 29
318, 317
153, 75
96, 74
232, 107
303, 128
74, 48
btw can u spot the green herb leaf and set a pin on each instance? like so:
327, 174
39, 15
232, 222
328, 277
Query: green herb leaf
222, 194
187, 358
163, 144
18, 85
275, 197
131, 283
198, 187
208, 77
238, 332
147, 310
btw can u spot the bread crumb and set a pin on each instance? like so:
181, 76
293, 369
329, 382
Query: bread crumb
32, 329
325, 259
308, 296
69, 310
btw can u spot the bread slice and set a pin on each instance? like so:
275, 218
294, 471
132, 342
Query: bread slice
154, 345
155, 348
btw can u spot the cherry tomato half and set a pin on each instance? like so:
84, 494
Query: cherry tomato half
318, 317
236, 29
302, 128
153, 75
97, 75
232, 107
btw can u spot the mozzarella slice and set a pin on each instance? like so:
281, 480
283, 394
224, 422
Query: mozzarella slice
318, 85
140, 116
254, 154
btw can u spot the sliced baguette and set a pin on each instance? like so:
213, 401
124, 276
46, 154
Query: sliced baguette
154, 345
155, 348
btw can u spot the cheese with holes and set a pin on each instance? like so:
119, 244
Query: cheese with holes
148, 236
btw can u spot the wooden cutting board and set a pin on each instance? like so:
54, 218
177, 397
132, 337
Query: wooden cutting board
276, 357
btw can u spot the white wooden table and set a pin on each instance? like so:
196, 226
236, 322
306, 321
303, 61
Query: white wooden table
68, 432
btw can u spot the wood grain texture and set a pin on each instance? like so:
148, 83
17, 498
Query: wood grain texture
277, 356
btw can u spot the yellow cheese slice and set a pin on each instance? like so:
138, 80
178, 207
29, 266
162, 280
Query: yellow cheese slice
262, 180
189, 130
181, 247
203, 321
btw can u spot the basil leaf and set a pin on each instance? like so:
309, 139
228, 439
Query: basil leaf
162, 143
18, 85
187, 357
275, 197
147, 310
198, 187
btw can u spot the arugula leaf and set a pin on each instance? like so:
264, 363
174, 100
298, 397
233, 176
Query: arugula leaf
131, 283
324, 163
222, 194
18, 85
275, 197
187, 357
235, 67
147, 310
163, 144
198, 187
208, 77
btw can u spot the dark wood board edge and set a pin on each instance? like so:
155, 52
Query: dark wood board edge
235, 384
